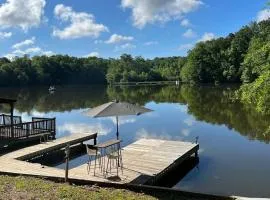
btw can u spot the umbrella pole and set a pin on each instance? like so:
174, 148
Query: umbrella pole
117, 132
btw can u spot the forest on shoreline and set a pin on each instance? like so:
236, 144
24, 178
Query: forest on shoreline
241, 57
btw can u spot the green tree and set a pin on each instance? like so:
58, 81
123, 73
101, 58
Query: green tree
205, 63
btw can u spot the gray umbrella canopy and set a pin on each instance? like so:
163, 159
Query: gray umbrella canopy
116, 109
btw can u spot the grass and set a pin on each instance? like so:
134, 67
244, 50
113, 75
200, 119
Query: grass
34, 188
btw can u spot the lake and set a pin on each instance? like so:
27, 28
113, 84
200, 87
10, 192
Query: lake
234, 139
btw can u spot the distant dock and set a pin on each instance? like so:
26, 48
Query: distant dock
144, 160
176, 82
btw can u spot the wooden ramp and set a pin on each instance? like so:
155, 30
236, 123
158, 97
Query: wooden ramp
36, 150
14, 162
143, 160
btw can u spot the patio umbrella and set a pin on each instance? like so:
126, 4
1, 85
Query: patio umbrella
116, 109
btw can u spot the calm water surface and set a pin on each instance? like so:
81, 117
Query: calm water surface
234, 139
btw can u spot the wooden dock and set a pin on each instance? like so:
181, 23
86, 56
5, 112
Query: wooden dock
143, 160
175, 82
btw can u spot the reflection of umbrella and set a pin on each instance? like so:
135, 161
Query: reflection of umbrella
116, 109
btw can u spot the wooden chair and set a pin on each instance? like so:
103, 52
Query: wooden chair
92, 152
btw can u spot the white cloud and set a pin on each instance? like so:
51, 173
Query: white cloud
123, 120
93, 54
152, 11
74, 128
4, 35
47, 53
190, 34
81, 24
115, 38
184, 47
24, 43
10, 56
36, 113
26, 47
30, 51
33, 50
143, 133
185, 23
18, 51
189, 121
27, 117
21, 13
185, 132
207, 37
263, 15
127, 46
38, 51
150, 43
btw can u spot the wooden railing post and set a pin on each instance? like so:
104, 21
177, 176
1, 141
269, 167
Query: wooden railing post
1, 120
27, 130
95, 139
67, 151
54, 128
11, 119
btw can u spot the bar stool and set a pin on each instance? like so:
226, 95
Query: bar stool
93, 152
113, 153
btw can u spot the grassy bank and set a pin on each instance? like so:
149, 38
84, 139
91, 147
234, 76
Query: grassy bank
33, 188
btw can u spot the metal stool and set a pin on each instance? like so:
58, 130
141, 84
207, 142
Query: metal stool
114, 154
92, 152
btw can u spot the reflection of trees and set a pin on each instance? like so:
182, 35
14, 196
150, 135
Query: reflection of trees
64, 99
210, 104
213, 105
133, 94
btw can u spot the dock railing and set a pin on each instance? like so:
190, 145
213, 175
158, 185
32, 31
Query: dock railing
6, 119
38, 126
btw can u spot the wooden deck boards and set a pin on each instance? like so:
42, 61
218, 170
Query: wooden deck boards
142, 160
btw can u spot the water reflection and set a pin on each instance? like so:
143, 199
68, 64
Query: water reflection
83, 128
64, 99
203, 103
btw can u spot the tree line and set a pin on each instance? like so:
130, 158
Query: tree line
241, 57
64, 69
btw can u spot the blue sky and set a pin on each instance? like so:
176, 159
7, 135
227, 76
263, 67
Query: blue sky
109, 28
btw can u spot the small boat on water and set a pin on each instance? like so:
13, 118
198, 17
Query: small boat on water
52, 89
